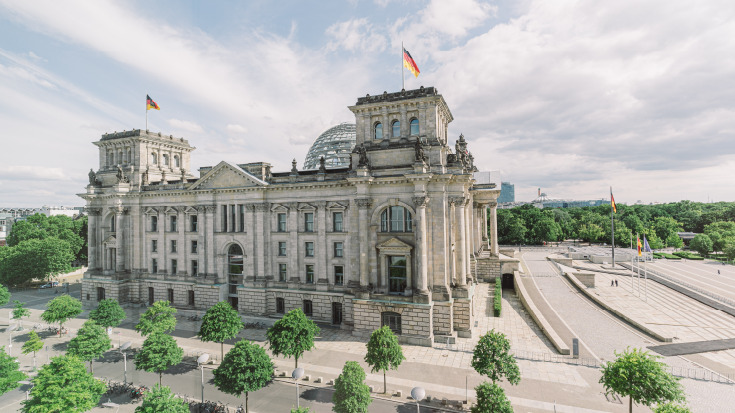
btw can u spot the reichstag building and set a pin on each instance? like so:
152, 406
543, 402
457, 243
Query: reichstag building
385, 225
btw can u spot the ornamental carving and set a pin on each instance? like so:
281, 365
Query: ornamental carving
260, 207
364, 202
210, 208
458, 200
93, 211
492, 204
420, 201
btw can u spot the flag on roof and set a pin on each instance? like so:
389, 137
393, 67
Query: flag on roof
150, 104
409, 63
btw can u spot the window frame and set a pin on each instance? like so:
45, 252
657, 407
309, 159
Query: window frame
282, 248
393, 320
378, 126
411, 123
194, 223
154, 265
308, 222
309, 274
338, 252
154, 223
338, 224
341, 272
282, 272
174, 266
173, 223
308, 308
194, 246
174, 246
154, 246
309, 249
281, 222
280, 305
194, 268
388, 221
393, 125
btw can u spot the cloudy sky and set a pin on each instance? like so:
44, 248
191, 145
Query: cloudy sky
569, 96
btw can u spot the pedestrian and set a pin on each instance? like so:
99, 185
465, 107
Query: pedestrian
616, 283
612, 283
718, 272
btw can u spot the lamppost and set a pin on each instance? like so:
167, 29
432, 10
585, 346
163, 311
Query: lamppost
418, 394
124, 347
28, 392
10, 339
201, 360
296, 375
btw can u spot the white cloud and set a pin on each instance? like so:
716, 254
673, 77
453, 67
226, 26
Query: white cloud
355, 35
235, 128
185, 125
32, 172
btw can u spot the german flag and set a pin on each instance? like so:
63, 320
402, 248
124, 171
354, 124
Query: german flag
150, 104
409, 63
638, 240
612, 202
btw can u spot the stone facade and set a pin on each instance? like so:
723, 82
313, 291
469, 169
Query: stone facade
396, 238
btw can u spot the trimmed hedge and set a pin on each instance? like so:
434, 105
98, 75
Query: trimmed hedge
668, 256
689, 255
498, 301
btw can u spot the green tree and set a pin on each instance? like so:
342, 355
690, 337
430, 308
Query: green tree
160, 399
32, 345
729, 249
158, 318
302, 409
642, 378
671, 408
547, 230
351, 394
245, 368
159, 352
221, 322
108, 313
10, 373
64, 385
4, 295
61, 309
492, 358
511, 229
60, 227
90, 343
666, 227
590, 232
491, 399
35, 259
292, 335
19, 311
674, 241
383, 353
702, 244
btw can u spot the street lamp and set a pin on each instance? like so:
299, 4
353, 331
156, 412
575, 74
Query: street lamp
296, 375
126, 345
10, 339
418, 394
201, 360
28, 392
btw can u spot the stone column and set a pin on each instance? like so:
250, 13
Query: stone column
250, 249
260, 240
201, 240
119, 239
483, 214
292, 226
92, 247
461, 241
181, 248
209, 240
421, 245
323, 250
494, 228
363, 204
467, 240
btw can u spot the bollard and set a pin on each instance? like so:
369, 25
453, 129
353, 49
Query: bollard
319, 379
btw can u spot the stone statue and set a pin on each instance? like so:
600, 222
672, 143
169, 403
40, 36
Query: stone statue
322, 165
420, 156
145, 177
294, 169
183, 175
163, 178
364, 161
92, 177
121, 178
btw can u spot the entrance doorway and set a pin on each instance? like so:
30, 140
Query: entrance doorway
233, 303
336, 313
507, 282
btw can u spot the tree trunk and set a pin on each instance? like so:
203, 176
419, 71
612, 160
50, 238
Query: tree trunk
246, 402
91, 371
297, 362
630, 404
160, 378
385, 384
221, 351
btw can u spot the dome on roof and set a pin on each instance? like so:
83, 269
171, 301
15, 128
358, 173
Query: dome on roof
335, 145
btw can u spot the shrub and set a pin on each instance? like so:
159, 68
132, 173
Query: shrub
498, 301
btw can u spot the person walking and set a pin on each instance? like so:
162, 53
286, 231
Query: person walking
612, 283
616, 283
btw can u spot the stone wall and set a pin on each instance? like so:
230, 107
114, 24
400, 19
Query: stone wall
416, 320
487, 268
443, 318
463, 316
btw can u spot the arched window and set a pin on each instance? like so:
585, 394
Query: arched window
110, 158
395, 219
129, 158
392, 320
165, 159
414, 126
120, 159
396, 128
177, 163
154, 158
234, 264
378, 130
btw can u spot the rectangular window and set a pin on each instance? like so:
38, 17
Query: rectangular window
282, 274
191, 298
194, 268
173, 245
338, 249
194, 247
172, 219
339, 275
171, 295
154, 223
154, 245
309, 222
280, 305
309, 248
173, 267
281, 223
242, 217
154, 266
308, 308
282, 248
232, 216
100, 294
310, 274
151, 295
224, 218
337, 222
194, 223
396, 274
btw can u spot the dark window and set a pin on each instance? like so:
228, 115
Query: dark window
241, 209
308, 308
224, 218
392, 320
194, 247
174, 267
235, 259
112, 223
151, 296
282, 248
396, 274
309, 248
232, 220
282, 274
154, 266
280, 305
281, 223
172, 219
154, 245
100, 294
414, 126
191, 298
310, 274
171, 295
173, 245
194, 268
337, 222
336, 313
87, 296
395, 219
194, 222
339, 275
378, 130
338, 249
154, 223
396, 128
309, 222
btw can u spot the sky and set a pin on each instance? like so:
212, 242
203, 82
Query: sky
572, 97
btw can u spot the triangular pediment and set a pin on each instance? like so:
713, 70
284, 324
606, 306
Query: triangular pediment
111, 240
394, 244
336, 206
226, 175
190, 210
151, 211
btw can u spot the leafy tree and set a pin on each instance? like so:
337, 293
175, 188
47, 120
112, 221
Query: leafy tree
671, 408
32, 345
351, 394
492, 358
292, 335
729, 249
702, 244
108, 313
665, 227
161, 399
19, 311
302, 409
4, 295
383, 352
90, 343
10, 373
590, 232
158, 318
547, 230
245, 368
674, 241
61, 309
221, 322
159, 352
491, 399
64, 385
35, 259
41, 227
639, 375
511, 229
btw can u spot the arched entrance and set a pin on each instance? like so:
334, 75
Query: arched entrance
507, 282
235, 262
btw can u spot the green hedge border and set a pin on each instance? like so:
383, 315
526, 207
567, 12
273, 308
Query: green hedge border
498, 301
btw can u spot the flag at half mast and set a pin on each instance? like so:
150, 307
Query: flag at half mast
409, 63
150, 104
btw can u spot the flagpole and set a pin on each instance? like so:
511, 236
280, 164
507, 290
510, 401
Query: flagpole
403, 78
146, 113
612, 228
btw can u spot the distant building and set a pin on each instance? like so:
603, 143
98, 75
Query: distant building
19, 212
507, 192
6, 223
50, 211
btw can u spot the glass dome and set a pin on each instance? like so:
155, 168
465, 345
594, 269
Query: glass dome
335, 145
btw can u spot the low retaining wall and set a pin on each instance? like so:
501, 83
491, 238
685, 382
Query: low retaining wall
538, 317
